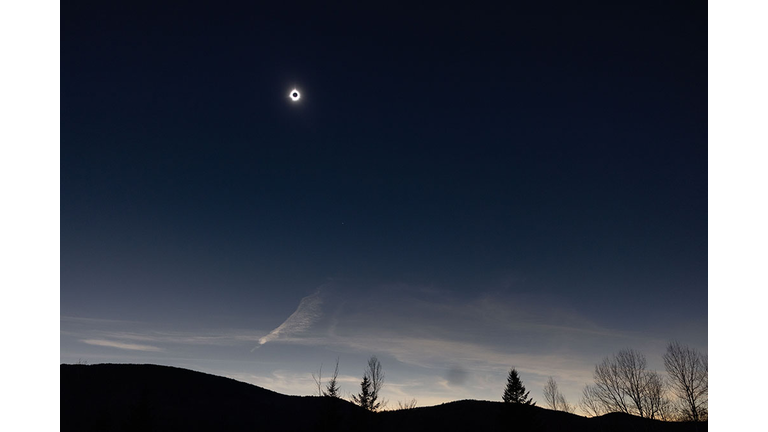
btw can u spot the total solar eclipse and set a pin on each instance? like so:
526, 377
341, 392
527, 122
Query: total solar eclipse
295, 95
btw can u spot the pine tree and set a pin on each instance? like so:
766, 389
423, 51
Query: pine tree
373, 381
364, 397
332, 388
515, 391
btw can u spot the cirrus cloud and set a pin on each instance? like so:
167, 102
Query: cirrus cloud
121, 345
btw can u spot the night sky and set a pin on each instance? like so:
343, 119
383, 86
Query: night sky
459, 190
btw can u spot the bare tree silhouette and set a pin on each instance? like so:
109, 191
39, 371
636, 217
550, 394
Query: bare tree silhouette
554, 399
659, 405
623, 384
590, 403
688, 375
550, 393
319, 380
411, 404
564, 405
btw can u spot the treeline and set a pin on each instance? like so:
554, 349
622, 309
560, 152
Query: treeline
622, 383
372, 383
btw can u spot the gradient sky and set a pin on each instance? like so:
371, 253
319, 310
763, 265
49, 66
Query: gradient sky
458, 191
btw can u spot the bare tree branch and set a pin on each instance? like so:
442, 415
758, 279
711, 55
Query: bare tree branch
554, 399
590, 403
563, 404
319, 380
623, 384
688, 374
550, 393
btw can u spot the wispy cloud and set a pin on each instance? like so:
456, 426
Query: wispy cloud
306, 314
481, 337
121, 345
73, 319
420, 328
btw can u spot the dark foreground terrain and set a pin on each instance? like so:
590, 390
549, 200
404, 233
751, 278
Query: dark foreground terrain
121, 397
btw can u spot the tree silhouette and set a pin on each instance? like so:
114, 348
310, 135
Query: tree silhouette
364, 398
623, 384
332, 388
687, 370
411, 404
554, 398
590, 403
319, 380
376, 374
373, 381
515, 390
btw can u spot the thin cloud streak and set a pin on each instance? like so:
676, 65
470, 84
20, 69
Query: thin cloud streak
121, 345
224, 338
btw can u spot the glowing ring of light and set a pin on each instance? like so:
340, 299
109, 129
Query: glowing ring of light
295, 95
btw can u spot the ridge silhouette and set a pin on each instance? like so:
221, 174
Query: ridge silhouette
146, 397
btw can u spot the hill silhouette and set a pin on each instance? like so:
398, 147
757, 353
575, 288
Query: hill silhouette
128, 397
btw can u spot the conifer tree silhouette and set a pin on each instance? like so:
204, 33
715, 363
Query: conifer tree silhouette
515, 390
332, 388
364, 397
373, 381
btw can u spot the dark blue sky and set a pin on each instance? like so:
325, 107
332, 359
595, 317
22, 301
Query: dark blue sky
555, 155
